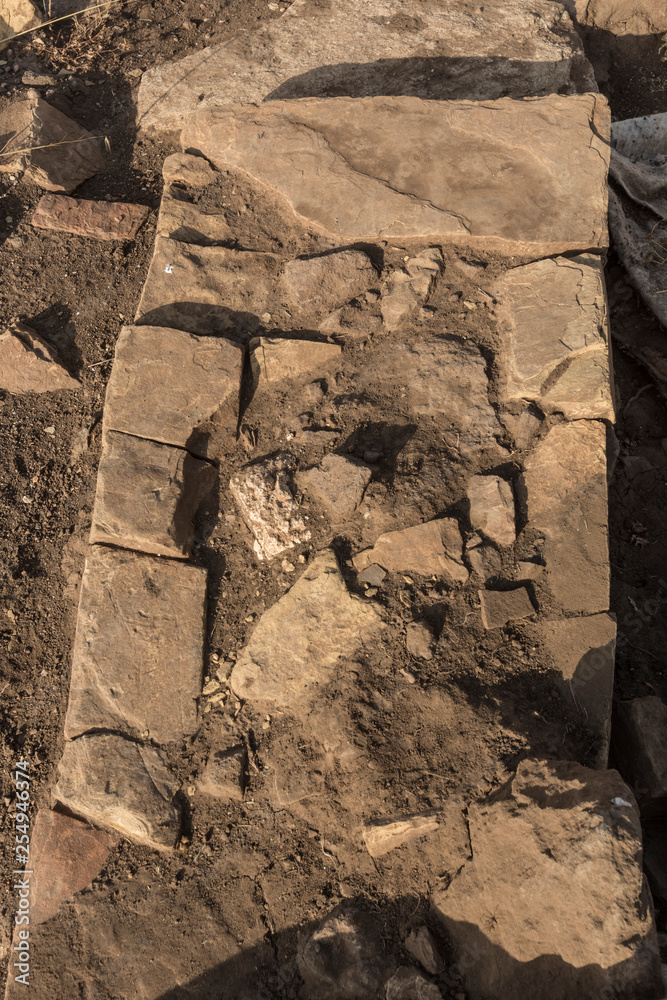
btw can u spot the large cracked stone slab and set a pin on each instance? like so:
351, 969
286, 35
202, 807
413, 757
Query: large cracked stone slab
558, 351
565, 482
361, 48
138, 652
553, 903
147, 495
297, 644
207, 289
581, 652
517, 177
122, 785
434, 548
440, 377
165, 383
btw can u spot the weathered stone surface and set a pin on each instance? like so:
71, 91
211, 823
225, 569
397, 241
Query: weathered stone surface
431, 549
566, 500
265, 496
52, 150
405, 291
442, 377
640, 750
620, 17
419, 640
319, 285
297, 644
385, 836
119, 784
338, 483
484, 559
222, 777
553, 903
65, 856
361, 47
409, 984
581, 651
422, 945
275, 359
102, 220
517, 177
502, 606
343, 958
138, 653
16, 16
207, 289
147, 495
555, 315
29, 364
165, 383
188, 170
492, 508
373, 575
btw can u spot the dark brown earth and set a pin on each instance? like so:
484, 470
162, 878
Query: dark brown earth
236, 860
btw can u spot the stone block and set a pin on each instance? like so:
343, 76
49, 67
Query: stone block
502, 606
147, 495
276, 359
514, 177
640, 750
431, 549
421, 943
101, 220
420, 640
166, 383
338, 483
361, 48
492, 508
553, 903
266, 499
119, 784
138, 652
29, 364
297, 644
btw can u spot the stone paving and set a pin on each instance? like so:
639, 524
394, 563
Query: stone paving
489, 186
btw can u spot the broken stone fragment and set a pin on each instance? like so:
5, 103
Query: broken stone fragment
502, 606
552, 200
207, 289
516, 50
492, 508
338, 483
484, 559
385, 836
581, 652
275, 359
29, 364
343, 959
265, 498
120, 784
640, 750
409, 984
318, 285
565, 483
431, 549
373, 575
565, 842
222, 777
187, 170
52, 150
422, 945
165, 383
101, 220
16, 16
405, 291
65, 856
138, 650
441, 377
298, 643
147, 495
555, 316
420, 640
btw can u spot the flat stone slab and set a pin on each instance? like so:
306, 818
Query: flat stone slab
553, 902
165, 383
502, 606
565, 482
431, 549
558, 355
492, 508
582, 651
640, 750
147, 495
121, 785
316, 286
516, 177
266, 498
29, 364
101, 220
338, 483
297, 644
138, 652
276, 359
65, 856
361, 48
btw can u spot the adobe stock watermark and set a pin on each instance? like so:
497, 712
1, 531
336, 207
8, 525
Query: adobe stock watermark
21, 942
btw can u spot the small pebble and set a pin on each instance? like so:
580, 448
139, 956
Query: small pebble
50, 430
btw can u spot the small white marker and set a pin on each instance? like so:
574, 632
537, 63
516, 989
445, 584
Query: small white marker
169, 269
621, 802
